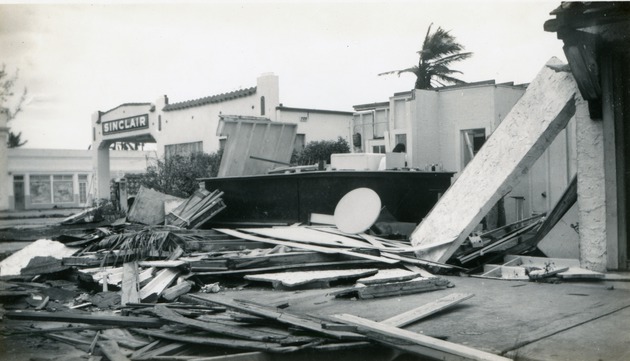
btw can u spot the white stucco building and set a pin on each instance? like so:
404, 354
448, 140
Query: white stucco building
443, 129
191, 125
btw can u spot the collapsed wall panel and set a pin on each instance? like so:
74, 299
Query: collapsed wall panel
529, 128
254, 146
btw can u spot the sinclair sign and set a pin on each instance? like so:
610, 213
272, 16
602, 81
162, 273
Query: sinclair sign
126, 124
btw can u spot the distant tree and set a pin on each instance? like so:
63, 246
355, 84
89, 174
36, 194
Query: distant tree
7, 85
320, 151
439, 51
177, 175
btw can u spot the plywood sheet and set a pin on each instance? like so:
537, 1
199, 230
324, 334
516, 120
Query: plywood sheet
520, 139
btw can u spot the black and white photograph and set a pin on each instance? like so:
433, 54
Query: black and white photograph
258, 180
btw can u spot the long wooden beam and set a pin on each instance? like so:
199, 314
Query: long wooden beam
416, 343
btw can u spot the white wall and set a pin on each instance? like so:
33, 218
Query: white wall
317, 125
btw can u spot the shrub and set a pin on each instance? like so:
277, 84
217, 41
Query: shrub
320, 151
178, 174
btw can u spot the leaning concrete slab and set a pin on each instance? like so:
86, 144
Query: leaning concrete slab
529, 128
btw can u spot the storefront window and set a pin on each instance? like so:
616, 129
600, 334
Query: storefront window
40, 189
62, 189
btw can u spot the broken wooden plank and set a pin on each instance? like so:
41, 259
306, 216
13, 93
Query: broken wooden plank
216, 328
294, 279
305, 246
218, 341
157, 285
423, 311
171, 293
130, 284
163, 264
122, 321
389, 289
415, 343
389, 275
533, 124
302, 321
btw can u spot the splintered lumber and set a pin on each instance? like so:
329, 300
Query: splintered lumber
219, 341
112, 351
157, 285
121, 321
310, 323
423, 311
305, 246
216, 328
526, 132
130, 284
389, 289
171, 293
294, 279
416, 343
196, 210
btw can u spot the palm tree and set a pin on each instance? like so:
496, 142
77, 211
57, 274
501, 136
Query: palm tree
15, 140
438, 51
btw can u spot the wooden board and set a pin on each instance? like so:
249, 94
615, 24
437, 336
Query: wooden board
294, 279
301, 321
305, 246
122, 321
390, 289
533, 123
309, 235
416, 343
423, 311
389, 275
158, 284
130, 284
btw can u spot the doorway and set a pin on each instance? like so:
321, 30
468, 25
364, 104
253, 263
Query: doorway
18, 192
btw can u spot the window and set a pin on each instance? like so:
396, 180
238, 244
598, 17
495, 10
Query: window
472, 140
62, 189
40, 189
183, 149
262, 105
83, 188
378, 149
380, 123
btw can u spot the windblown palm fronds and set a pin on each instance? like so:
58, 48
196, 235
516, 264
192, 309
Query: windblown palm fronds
439, 51
142, 244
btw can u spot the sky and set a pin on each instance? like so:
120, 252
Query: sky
77, 59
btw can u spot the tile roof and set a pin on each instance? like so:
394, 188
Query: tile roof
210, 99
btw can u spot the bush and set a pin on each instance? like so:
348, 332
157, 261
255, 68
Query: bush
320, 151
178, 174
